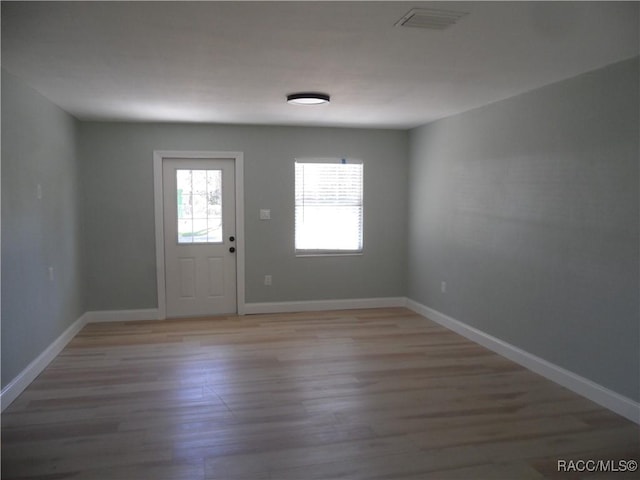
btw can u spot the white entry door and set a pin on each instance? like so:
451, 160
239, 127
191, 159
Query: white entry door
199, 236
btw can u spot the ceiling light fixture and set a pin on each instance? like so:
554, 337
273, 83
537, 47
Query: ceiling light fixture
308, 98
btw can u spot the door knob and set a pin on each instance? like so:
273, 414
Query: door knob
232, 249
232, 238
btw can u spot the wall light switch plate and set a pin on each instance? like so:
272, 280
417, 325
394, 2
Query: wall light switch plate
265, 214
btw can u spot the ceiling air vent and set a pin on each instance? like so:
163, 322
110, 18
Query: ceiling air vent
430, 18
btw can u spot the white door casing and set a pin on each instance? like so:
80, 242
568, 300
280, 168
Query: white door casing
198, 275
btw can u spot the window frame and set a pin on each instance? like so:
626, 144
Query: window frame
329, 252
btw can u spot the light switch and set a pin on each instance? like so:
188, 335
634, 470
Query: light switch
265, 214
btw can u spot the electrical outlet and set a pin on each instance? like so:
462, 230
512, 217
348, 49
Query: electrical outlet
51, 277
265, 214
268, 280
443, 287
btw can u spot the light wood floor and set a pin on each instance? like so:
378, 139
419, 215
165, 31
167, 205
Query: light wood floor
365, 394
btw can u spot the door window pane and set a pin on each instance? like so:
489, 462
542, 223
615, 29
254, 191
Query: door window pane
199, 212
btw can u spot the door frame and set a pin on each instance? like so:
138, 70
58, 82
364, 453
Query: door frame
158, 198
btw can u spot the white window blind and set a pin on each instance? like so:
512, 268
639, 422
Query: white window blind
328, 207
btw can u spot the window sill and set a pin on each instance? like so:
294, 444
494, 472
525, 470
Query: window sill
329, 254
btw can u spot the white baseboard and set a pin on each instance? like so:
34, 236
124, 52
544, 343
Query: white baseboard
122, 315
609, 399
322, 305
14, 388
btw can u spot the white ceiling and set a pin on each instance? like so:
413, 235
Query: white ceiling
234, 62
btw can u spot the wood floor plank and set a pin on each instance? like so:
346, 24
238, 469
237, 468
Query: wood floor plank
358, 394
419, 465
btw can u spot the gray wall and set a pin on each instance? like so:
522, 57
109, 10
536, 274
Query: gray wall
38, 147
117, 174
528, 209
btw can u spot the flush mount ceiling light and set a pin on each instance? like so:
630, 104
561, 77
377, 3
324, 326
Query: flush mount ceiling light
308, 98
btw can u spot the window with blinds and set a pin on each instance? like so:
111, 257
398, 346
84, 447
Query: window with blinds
328, 207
